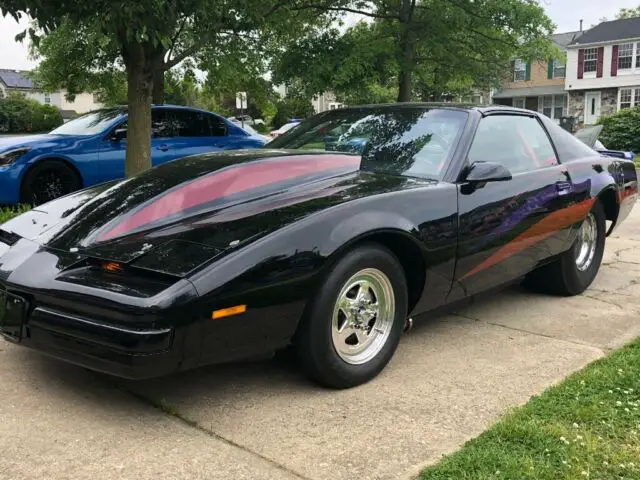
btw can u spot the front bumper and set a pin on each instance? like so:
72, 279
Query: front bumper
10, 184
118, 351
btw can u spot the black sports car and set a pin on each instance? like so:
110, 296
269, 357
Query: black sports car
326, 240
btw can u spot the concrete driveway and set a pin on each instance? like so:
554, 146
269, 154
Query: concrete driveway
451, 378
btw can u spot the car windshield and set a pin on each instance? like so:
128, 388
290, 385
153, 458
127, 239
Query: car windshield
410, 141
89, 124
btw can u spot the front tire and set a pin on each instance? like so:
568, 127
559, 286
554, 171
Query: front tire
48, 180
352, 326
574, 270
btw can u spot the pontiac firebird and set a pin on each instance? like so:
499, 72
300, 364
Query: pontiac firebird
326, 241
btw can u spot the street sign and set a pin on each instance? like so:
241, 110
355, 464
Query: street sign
241, 100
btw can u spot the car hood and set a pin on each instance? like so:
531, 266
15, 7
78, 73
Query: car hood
180, 214
9, 143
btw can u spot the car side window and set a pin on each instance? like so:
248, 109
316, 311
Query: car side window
159, 124
185, 123
518, 142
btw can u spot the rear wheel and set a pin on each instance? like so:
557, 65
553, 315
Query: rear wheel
47, 181
353, 324
573, 271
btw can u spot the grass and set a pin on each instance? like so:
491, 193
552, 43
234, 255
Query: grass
587, 427
9, 213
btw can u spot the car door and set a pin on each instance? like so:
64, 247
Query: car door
188, 132
506, 228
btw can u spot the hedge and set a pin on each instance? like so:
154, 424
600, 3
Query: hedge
19, 114
622, 130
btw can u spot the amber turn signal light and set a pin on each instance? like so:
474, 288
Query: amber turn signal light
227, 312
112, 267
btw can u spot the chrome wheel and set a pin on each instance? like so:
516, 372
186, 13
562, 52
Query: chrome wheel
587, 241
363, 316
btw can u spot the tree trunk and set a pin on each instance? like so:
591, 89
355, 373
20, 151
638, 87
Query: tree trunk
158, 85
140, 85
406, 57
404, 86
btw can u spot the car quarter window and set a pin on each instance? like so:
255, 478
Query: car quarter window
569, 147
518, 142
218, 127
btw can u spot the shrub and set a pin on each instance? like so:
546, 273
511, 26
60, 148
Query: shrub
291, 107
622, 130
261, 128
19, 114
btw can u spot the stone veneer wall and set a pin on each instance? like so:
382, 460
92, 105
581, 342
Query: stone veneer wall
608, 103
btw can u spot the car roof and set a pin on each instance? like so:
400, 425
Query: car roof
483, 109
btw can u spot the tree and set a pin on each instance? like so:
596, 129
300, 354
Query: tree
628, 13
447, 39
151, 37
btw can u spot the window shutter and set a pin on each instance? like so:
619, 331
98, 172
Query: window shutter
527, 74
614, 61
550, 69
600, 63
581, 63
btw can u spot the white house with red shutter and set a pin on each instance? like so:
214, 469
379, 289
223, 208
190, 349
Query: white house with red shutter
603, 70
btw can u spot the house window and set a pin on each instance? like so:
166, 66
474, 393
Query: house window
559, 69
590, 59
47, 99
629, 97
519, 70
625, 56
518, 102
553, 106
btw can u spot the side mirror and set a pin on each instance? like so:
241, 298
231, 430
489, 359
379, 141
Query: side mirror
481, 172
119, 134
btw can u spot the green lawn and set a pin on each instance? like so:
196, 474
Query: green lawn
586, 427
8, 213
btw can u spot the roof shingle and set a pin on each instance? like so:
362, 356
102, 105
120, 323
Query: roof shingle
610, 31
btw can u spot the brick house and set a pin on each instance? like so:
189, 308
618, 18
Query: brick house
540, 85
603, 70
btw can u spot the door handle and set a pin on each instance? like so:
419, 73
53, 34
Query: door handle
163, 148
563, 188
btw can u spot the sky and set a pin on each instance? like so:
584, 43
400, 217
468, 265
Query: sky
566, 15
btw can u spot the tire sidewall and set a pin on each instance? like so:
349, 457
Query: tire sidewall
317, 321
580, 280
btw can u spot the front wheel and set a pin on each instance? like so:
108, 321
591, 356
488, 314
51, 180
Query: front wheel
573, 271
353, 325
48, 180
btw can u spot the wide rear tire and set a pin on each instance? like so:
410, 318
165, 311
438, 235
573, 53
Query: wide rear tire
574, 270
353, 323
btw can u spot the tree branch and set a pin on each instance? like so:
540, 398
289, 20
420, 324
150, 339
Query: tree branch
175, 38
350, 10
169, 64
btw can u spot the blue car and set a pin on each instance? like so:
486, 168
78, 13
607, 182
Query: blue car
91, 149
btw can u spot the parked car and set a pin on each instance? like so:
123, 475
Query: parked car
91, 149
284, 128
590, 136
247, 120
253, 132
233, 254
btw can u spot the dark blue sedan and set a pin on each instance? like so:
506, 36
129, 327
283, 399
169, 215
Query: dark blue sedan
91, 149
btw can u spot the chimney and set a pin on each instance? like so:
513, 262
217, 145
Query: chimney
580, 25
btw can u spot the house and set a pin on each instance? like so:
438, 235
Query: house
539, 85
603, 70
325, 101
19, 81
